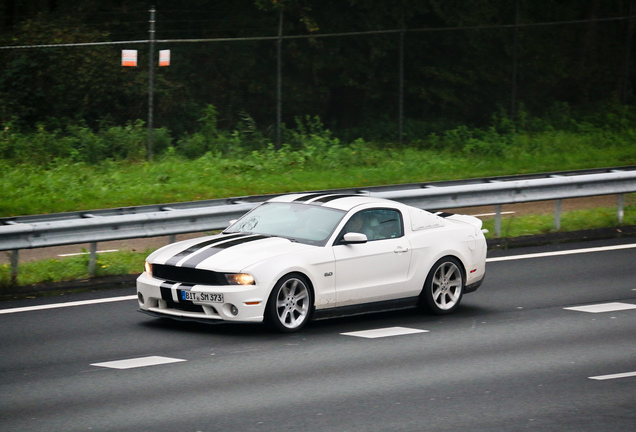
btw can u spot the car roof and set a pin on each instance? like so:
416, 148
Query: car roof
340, 201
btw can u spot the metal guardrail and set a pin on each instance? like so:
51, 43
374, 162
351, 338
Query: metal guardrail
38, 231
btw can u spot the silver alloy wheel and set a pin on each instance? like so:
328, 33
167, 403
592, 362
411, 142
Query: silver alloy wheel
446, 287
292, 304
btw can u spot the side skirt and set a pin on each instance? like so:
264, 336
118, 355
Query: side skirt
383, 306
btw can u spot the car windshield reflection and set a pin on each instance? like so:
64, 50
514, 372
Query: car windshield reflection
304, 224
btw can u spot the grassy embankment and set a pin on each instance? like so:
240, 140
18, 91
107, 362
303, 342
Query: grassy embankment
315, 161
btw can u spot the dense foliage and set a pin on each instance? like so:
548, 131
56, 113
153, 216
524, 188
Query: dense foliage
463, 62
218, 164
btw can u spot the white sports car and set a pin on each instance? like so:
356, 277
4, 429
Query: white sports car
303, 256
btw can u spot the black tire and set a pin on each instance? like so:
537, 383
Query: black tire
444, 287
290, 304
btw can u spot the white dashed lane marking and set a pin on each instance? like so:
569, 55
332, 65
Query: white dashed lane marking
603, 307
384, 332
613, 376
138, 362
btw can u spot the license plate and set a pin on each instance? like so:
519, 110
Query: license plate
201, 297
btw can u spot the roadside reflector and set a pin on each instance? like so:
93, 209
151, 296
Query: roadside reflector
129, 57
164, 58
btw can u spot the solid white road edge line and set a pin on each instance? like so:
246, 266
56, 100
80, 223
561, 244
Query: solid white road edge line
508, 258
67, 304
565, 252
492, 214
86, 253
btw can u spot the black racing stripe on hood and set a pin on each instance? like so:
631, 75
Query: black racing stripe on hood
199, 258
194, 248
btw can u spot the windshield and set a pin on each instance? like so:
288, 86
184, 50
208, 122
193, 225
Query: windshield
304, 223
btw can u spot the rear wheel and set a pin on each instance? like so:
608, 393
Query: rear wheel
290, 303
444, 287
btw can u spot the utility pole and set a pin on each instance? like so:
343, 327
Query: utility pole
401, 84
151, 79
279, 80
513, 90
629, 36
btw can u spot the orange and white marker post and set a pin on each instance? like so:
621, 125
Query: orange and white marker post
164, 58
129, 57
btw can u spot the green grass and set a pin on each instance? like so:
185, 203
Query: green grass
62, 186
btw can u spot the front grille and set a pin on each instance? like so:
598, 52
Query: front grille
188, 275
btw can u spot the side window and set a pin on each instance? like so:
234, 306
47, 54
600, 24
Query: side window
376, 224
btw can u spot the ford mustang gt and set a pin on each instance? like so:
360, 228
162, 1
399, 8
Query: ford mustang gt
307, 256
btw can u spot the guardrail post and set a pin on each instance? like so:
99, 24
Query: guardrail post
14, 266
498, 220
620, 212
557, 214
92, 259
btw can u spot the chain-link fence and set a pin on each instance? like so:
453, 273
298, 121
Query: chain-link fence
395, 83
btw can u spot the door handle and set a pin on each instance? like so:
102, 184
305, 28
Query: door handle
401, 250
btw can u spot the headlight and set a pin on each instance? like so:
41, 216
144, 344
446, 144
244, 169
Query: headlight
148, 268
239, 279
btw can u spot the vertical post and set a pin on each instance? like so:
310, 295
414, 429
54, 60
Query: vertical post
513, 91
620, 212
15, 254
558, 204
151, 79
401, 90
92, 260
279, 79
498, 220
629, 36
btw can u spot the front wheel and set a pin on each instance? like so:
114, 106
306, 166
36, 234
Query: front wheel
444, 287
289, 305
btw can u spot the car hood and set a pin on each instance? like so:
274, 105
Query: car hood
222, 252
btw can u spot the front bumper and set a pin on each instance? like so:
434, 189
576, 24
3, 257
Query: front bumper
181, 318
162, 298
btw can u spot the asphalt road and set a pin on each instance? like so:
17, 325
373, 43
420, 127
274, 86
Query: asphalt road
515, 357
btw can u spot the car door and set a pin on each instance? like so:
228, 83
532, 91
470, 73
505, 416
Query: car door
376, 270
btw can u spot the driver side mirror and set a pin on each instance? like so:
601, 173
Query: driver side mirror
354, 238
